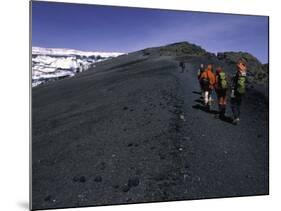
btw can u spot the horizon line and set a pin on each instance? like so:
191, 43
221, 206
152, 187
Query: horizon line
101, 51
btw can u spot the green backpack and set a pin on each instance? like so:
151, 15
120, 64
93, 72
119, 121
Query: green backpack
241, 85
223, 81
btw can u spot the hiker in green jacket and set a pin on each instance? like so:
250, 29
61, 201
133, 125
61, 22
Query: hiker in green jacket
238, 89
221, 87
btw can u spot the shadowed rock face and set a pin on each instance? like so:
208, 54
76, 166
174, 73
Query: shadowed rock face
257, 72
176, 49
132, 129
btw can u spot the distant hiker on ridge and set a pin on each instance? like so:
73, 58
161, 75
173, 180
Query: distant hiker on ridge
238, 89
182, 65
199, 73
221, 87
208, 80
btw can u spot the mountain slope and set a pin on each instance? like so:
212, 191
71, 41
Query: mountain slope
133, 130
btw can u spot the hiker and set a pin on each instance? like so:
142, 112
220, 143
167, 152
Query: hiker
221, 87
208, 80
182, 65
238, 89
199, 73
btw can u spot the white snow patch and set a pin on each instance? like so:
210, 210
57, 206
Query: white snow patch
54, 63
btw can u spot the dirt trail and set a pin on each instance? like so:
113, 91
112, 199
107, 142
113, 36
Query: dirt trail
225, 160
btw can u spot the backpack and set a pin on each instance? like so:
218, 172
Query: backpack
205, 82
223, 84
199, 73
201, 70
241, 85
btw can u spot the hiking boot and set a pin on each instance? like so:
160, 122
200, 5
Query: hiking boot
209, 104
236, 121
217, 116
222, 112
221, 115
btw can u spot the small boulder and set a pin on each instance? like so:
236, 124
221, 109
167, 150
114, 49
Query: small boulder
98, 179
133, 182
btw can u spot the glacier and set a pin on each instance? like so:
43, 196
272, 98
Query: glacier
49, 64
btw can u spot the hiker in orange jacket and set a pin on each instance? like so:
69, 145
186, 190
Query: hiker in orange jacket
208, 81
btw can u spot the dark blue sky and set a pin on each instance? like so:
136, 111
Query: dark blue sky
120, 29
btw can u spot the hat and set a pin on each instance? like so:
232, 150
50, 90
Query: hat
219, 69
243, 61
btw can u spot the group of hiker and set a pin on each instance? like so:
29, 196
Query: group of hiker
220, 82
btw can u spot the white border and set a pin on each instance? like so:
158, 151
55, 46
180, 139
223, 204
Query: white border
14, 86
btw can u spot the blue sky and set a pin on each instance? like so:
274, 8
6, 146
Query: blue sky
121, 29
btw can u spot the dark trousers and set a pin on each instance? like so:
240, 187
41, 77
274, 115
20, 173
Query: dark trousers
182, 69
222, 100
235, 105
